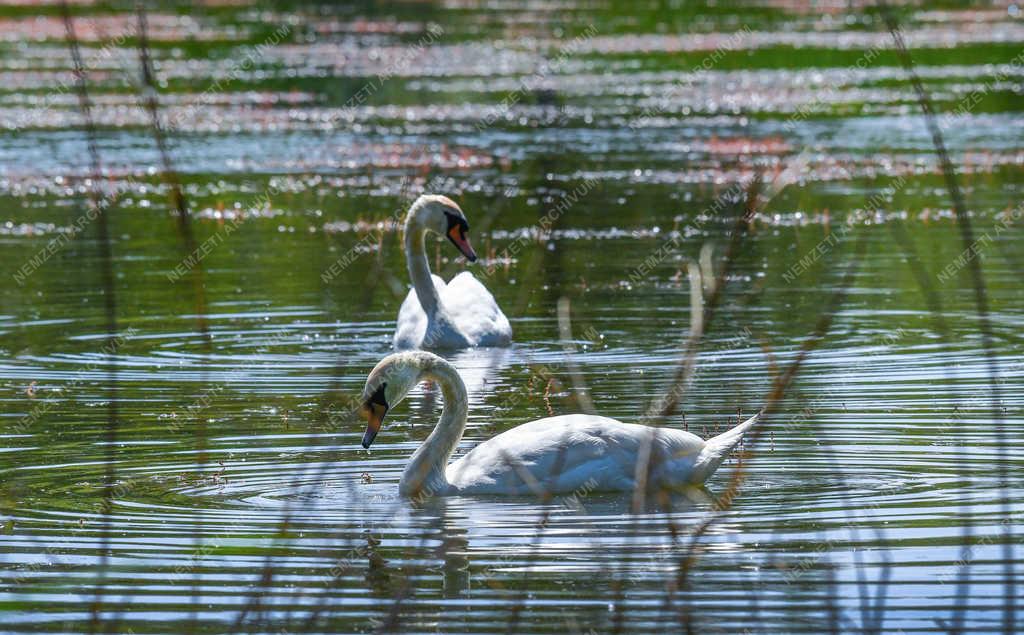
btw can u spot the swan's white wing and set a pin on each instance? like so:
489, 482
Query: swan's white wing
411, 326
472, 309
571, 453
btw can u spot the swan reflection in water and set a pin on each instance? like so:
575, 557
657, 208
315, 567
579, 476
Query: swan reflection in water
453, 538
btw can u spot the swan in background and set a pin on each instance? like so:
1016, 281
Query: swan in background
555, 455
435, 315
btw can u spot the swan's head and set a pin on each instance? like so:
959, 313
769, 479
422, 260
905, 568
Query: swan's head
442, 215
388, 384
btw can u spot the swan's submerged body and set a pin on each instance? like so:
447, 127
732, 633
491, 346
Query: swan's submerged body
436, 315
556, 455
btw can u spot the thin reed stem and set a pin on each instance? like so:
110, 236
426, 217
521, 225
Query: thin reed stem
982, 309
110, 314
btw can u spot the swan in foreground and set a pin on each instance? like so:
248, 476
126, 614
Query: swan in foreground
460, 314
555, 455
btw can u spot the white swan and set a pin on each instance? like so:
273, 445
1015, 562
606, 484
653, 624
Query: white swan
435, 315
556, 454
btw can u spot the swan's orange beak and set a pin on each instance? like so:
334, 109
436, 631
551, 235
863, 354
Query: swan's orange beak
457, 234
374, 415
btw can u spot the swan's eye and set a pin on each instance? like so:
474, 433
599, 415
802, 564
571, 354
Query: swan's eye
373, 411
377, 405
457, 225
378, 397
457, 228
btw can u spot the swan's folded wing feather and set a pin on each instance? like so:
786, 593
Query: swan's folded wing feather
718, 448
475, 312
574, 453
561, 454
411, 326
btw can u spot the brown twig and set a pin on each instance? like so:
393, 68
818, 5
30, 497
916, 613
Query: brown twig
778, 392
941, 328
582, 393
180, 205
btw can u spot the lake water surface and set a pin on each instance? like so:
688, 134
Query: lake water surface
204, 474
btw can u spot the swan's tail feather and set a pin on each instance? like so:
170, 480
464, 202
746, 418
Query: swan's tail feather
717, 448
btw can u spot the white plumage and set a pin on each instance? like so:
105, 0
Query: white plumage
468, 316
436, 315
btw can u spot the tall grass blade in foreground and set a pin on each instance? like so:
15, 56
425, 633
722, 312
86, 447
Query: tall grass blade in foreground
110, 312
984, 319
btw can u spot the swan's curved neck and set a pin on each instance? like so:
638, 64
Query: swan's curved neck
425, 474
416, 260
